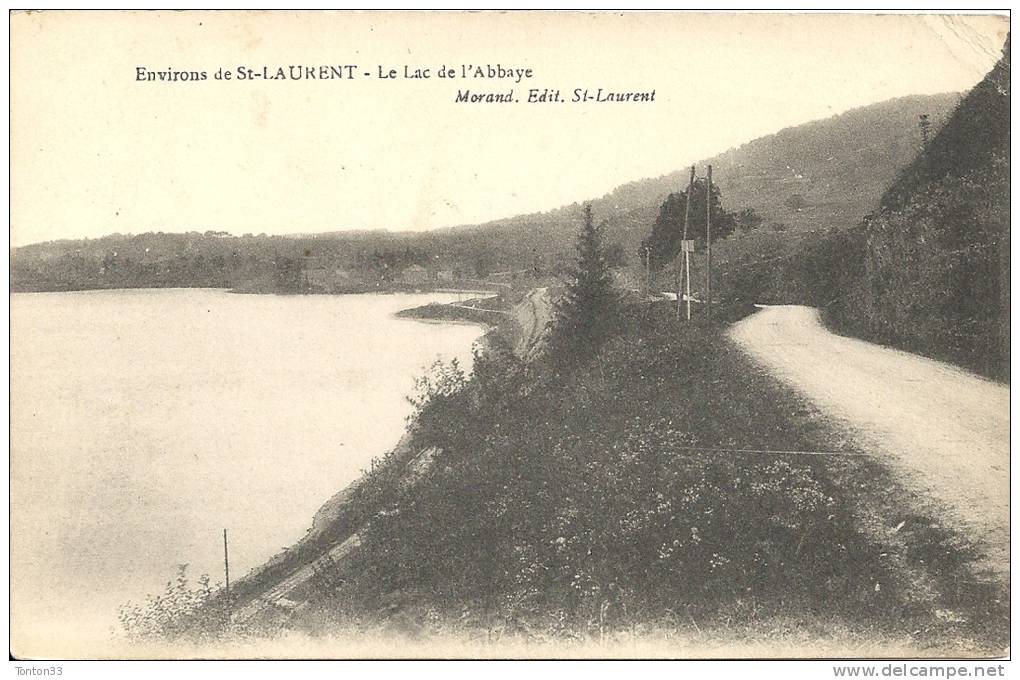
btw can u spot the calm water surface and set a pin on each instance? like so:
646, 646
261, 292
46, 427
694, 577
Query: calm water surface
144, 422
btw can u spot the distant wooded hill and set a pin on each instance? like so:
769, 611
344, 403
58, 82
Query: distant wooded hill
929, 270
827, 173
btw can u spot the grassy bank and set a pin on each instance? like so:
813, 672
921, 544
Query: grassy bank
633, 490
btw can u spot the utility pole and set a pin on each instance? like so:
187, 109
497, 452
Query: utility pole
226, 571
708, 245
686, 253
678, 282
678, 279
687, 282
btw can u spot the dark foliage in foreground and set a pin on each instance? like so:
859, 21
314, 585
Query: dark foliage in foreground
584, 498
183, 612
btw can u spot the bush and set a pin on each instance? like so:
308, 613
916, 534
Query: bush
181, 614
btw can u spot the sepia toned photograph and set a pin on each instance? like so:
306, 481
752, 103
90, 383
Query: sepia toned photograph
510, 335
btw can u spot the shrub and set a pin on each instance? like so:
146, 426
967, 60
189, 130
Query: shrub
182, 613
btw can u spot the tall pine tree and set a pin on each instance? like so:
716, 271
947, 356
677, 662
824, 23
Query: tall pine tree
588, 309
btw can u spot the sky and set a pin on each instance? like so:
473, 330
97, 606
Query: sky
96, 151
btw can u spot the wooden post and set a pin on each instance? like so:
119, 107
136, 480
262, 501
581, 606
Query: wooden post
687, 218
678, 279
678, 284
687, 265
708, 244
226, 565
687, 254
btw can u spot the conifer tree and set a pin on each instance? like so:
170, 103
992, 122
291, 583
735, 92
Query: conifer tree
588, 309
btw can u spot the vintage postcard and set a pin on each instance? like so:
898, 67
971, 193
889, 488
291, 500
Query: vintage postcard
509, 334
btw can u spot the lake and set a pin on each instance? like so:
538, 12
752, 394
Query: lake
144, 422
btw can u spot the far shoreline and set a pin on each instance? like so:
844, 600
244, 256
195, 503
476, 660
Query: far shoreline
241, 291
440, 313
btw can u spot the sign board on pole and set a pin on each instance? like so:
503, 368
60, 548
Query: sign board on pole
687, 246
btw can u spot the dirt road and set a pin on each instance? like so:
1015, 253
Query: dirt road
945, 430
532, 315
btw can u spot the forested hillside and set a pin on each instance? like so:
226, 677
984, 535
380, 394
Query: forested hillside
824, 174
935, 271
828, 173
928, 271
